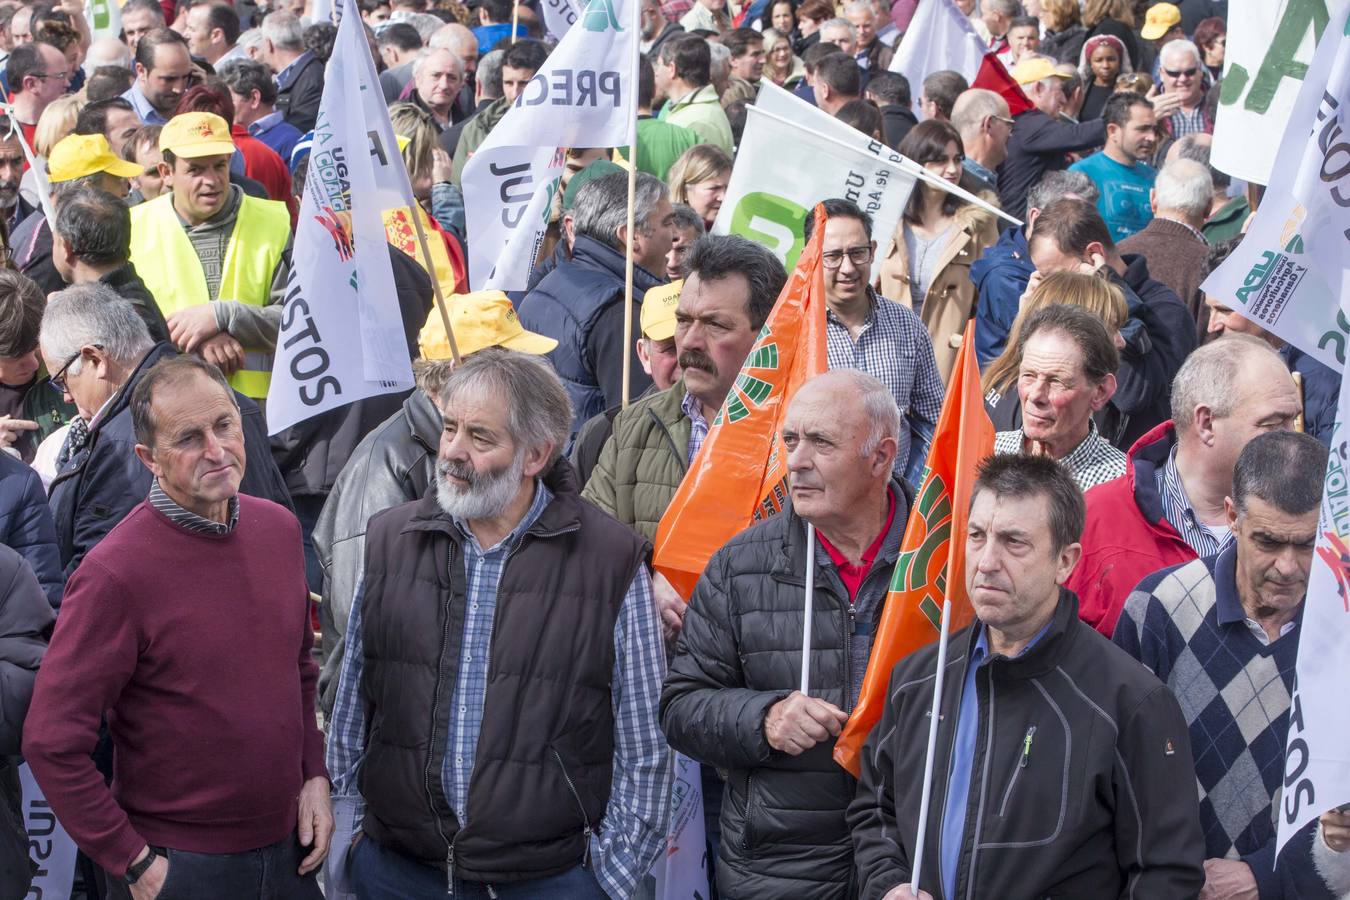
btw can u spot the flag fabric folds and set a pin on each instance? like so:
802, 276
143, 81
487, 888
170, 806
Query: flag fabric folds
932, 562
940, 37
740, 474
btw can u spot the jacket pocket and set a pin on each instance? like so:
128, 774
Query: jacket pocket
1023, 757
748, 831
581, 807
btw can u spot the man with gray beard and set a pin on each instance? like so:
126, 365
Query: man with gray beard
521, 618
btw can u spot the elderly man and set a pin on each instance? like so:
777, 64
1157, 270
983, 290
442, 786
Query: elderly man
866, 331
1168, 507
981, 117
1080, 729
1066, 376
163, 73
98, 350
1040, 139
581, 302
139, 18
209, 254
220, 774
684, 78
1182, 72
299, 72
501, 569
1172, 243
727, 295
1223, 633
437, 76
872, 53
731, 699
1119, 171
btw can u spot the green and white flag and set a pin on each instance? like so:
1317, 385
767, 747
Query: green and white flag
104, 18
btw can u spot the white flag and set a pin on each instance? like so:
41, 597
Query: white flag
682, 871
783, 170
49, 845
939, 37
104, 18
584, 96
342, 336
559, 16
1287, 273
1269, 45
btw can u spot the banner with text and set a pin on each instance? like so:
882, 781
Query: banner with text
49, 846
584, 96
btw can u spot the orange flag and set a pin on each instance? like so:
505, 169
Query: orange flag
740, 473
932, 562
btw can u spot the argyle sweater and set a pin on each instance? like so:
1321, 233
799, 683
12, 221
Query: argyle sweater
1187, 625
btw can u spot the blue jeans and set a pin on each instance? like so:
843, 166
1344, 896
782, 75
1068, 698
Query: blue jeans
377, 873
268, 873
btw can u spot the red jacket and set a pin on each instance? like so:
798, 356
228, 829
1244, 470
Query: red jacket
262, 164
1126, 537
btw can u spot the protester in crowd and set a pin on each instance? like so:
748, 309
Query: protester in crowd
1024, 39
728, 292
107, 52
1211, 36
872, 54
212, 32
747, 64
1319, 386
926, 265
1168, 507
29, 409
591, 715
36, 74
254, 95
840, 33
890, 92
863, 116
1114, 18
707, 15
260, 162
1001, 275
437, 78
837, 82
998, 16
299, 74
1223, 633
139, 18
684, 78
98, 350
522, 60
14, 207
1172, 243
732, 698
1102, 62
487, 87
656, 28
1123, 179
811, 16
811, 58
699, 179
219, 307
460, 41
1040, 140
1066, 376
399, 45
580, 303
163, 74
25, 623
1071, 235
1064, 32
1181, 71
982, 120
1124, 815
781, 66
865, 330
113, 118
660, 144
108, 82
686, 228
940, 90
173, 669
142, 148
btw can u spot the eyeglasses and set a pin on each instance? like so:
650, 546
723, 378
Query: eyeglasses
58, 381
60, 76
859, 256
1181, 73
1004, 119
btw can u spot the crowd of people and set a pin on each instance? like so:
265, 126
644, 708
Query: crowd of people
415, 646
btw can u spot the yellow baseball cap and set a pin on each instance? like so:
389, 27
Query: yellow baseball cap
658, 310
482, 319
1161, 18
1038, 68
78, 155
196, 134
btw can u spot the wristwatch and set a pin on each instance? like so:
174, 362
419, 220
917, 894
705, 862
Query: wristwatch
136, 870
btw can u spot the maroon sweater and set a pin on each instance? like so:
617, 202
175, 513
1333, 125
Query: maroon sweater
197, 646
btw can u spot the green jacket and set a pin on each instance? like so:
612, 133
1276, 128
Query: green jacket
643, 461
43, 405
701, 112
1227, 222
475, 133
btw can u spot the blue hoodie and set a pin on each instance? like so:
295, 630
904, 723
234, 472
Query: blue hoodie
1000, 276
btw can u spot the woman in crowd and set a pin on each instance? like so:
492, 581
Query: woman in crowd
811, 14
1064, 31
926, 265
1103, 61
1092, 292
1211, 36
699, 178
781, 65
781, 16
1113, 17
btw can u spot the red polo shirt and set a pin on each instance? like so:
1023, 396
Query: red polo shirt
853, 576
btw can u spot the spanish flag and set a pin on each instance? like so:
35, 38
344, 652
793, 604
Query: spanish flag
740, 474
932, 562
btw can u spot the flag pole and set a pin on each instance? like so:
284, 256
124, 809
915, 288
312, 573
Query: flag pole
932, 749
807, 608
628, 280
515, 20
414, 209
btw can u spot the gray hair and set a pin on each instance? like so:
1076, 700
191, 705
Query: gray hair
601, 207
1185, 186
490, 73
878, 405
251, 39
1181, 45
836, 24
92, 314
538, 411
719, 61
1010, 8
284, 30
420, 60
1284, 468
1058, 185
1208, 376
973, 107
866, 6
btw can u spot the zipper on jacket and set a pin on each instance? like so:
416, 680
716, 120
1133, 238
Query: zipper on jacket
1022, 759
749, 812
585, 819
848, 656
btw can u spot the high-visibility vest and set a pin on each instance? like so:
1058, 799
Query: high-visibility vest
167, 262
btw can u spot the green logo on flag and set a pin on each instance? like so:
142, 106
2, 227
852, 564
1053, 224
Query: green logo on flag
750, 390
600, 17
775, 222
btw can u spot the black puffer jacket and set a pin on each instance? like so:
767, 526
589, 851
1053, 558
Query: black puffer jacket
783, 830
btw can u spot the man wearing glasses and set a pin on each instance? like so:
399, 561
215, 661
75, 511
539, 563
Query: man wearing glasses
37, 74
864, 330
1182, 75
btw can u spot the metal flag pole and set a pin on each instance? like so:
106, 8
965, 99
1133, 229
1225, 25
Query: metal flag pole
807, 609
932, 749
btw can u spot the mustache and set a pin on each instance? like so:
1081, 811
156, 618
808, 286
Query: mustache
462, 470
697, 359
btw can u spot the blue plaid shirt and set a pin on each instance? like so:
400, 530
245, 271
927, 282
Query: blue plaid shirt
633, 830
1177, 510
698, 425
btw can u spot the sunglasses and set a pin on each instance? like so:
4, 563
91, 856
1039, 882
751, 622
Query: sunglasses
1181, 73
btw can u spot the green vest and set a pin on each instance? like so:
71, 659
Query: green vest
167, 262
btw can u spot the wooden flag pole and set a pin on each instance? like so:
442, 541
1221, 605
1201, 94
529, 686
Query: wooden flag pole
515, 20
628, 280
932, 748
415, 211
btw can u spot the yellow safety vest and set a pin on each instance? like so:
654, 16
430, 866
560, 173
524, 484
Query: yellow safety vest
166, 261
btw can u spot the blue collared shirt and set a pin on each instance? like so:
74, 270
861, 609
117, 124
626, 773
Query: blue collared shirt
144, 111
963, 754
289, 74
1205, 540
632, 832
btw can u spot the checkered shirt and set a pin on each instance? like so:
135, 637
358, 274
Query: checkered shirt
1184, 123
1187, 625
894, 347
1180, 515
1091, 463
698, 425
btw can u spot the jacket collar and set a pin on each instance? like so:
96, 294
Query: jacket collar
122, 399
1047, 652
423, 419
1149, 454
561, 516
